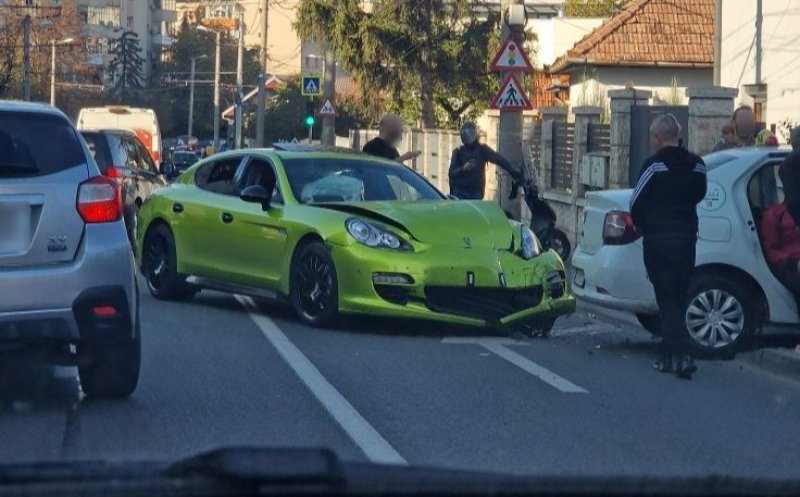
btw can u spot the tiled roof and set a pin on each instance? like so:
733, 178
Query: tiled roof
673, 33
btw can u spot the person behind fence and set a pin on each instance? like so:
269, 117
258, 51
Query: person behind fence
744, 127
728, 139
468, 165
664, 210
390, 132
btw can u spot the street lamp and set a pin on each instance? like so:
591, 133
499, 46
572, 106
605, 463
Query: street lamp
216, 82
53, 43
191, 92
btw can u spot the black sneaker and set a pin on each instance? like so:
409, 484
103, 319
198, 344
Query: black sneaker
663, 364
686, 367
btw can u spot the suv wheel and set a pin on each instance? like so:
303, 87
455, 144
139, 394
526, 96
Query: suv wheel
159, 264
720, 315
111, 369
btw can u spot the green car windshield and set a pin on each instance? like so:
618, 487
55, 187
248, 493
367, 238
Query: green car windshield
316, 180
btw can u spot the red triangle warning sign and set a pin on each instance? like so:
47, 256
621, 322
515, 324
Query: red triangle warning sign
327, 109
511, 57
511, 96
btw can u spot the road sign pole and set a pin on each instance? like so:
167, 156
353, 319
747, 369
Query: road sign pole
328, 136
510, 130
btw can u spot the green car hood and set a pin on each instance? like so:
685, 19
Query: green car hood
443, 222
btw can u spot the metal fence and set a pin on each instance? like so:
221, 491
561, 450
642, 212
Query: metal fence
599, 139
563, 146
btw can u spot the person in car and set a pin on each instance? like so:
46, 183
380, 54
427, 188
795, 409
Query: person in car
468, 165
780, 235
664, 210
390, 132
744, 125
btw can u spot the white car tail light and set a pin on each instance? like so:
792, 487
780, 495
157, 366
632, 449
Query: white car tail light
618, 229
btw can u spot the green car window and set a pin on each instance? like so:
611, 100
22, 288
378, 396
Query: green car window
354, 180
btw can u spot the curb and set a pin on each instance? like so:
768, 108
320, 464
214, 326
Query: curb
783, 362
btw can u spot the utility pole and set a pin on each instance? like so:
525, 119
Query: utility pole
191, 93
53, 44
26, 55
262, 78
216, 92
239, 76
328, 136
759, 22
510, 139
717, 42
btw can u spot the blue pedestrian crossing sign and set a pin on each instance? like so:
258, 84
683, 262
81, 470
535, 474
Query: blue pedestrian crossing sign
312, 86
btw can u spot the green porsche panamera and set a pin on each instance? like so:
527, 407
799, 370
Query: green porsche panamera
332, 231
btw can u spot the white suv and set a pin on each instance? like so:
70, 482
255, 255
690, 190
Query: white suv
733, 291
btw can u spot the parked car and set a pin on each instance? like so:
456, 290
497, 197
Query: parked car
334, 231
120, 155
67, 274
180, 161
733, 291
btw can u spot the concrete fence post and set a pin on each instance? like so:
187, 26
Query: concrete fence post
621, 103
550, 115
584, 116
709, 108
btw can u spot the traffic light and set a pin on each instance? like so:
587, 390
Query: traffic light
310, 113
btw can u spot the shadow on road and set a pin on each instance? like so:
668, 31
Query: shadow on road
27, 382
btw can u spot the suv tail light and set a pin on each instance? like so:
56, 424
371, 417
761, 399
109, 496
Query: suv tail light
99, 200
114, 172
618, 229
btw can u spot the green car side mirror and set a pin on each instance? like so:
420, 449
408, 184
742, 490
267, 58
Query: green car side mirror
256, 194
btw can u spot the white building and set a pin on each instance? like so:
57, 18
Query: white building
103, 21
663, 46
778, 97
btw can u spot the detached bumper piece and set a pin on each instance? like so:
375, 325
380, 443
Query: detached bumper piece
489, 304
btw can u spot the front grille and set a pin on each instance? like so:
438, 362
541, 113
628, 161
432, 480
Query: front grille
489, 304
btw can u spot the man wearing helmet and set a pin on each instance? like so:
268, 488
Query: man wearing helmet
468, 165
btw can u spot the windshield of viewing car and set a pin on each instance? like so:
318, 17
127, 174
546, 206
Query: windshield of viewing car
315, 180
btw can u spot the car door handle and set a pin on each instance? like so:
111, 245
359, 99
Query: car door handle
177, 208
227, 217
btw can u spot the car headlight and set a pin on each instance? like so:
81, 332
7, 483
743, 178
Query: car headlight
530, 247
374, 235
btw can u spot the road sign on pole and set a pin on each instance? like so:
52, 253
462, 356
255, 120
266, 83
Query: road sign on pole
312, 86
511, 96
327, 109
511, 57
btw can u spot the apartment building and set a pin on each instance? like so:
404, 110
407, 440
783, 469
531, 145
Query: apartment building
152, 20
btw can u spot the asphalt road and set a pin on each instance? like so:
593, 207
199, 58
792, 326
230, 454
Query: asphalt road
221, 371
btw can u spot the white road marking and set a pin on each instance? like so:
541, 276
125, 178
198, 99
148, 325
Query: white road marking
590, 329
374, 446
498, 347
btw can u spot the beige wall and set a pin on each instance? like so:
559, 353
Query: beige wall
557, 35
779, 70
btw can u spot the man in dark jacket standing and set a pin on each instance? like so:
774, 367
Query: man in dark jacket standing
664, 210
468, 165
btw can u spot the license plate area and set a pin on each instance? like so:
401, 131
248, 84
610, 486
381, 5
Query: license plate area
15, 227
578, 278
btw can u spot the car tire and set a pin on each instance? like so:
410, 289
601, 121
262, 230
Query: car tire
650, 322
720, 314
160, 266
111, 369
314, 289
559, 242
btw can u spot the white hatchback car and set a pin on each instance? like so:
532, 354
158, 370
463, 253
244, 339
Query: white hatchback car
733, 292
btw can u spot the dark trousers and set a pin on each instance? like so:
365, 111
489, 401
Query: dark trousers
790, 278
465, 194
669, 260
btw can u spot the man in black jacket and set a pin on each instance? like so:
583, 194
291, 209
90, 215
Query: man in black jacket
664, 210
468, 165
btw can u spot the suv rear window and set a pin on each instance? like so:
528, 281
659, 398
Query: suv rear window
34, 144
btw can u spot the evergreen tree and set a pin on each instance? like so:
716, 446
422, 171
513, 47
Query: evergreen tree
127, 66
